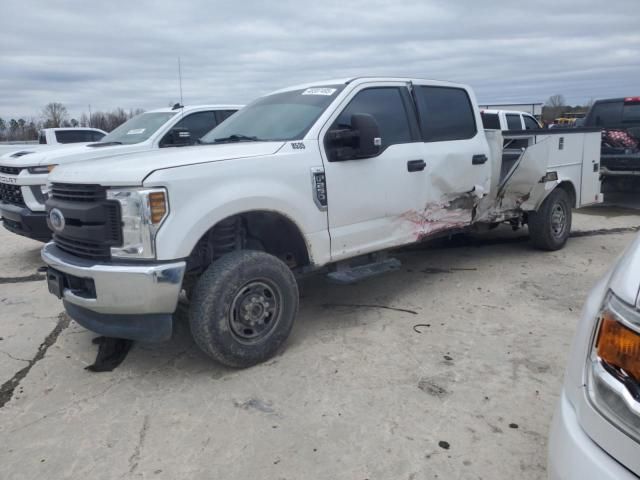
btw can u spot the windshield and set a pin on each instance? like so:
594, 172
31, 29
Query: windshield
138, 128
281, 116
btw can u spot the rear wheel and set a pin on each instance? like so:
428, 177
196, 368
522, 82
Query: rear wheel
550, 226
243, 308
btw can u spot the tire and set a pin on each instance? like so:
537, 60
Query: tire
243, 308
550, 226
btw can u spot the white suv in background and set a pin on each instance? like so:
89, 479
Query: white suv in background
595, 434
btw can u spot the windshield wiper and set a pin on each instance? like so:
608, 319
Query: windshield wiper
104, 144
236, 138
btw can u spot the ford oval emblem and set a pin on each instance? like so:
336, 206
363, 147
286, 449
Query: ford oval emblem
56, 219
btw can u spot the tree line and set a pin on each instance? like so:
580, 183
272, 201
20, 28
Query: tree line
55, 115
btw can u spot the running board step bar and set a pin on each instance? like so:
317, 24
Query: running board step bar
345, 274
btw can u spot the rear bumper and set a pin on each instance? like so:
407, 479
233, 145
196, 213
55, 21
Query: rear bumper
22, 221
124, 300
574, 456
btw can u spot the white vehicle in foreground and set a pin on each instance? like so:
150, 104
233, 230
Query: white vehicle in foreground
319, 176
595, 434
23, 178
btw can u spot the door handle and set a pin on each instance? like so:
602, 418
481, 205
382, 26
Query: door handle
479, 159
416, 165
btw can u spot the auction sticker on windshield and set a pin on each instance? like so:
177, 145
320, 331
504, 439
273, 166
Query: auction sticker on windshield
319, 91
136, 131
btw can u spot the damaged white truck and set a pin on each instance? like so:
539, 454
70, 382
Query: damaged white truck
322, 177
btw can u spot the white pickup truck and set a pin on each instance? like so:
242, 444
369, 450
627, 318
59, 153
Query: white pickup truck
49, 138
508, 120
23, 177
318, 177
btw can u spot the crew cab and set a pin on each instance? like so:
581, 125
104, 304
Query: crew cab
619, 119
23, 177
323, 177
595, 433
508, 120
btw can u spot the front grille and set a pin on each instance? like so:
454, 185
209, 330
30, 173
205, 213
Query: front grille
86, 249
93, 223
78, 192
10, 170
11, 194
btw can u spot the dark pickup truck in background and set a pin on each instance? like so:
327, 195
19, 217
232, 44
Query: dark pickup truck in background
619, 119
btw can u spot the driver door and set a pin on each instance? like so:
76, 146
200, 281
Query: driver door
368, 196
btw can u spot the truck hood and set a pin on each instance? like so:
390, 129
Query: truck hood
32, 155
132, 169
625, 278
67, 154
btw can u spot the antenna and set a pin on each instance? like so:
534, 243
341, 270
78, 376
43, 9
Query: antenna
180, 79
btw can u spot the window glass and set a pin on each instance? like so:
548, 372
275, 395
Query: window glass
490, 121
74, 136
96, 136
197, 123
445, 114
631, 113
513, 122
138, 128
42, 138
280, 116
222, 115
604, 114
530, 123
385, 105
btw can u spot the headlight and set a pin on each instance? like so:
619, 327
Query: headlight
41, 169
142, 211
614, 370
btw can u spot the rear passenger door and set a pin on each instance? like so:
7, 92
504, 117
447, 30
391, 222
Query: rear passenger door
457, 160
370, 198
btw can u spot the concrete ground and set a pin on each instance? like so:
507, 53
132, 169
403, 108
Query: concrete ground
449, 368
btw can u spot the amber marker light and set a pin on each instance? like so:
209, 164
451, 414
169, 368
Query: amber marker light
158, 206
618, 345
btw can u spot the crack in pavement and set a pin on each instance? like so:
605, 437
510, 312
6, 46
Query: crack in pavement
28, 278
134, 459
8, 388
14, 358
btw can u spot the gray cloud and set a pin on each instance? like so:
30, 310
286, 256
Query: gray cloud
119, 53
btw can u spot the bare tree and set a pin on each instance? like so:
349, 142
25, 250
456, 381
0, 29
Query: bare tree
556, 101
54, 115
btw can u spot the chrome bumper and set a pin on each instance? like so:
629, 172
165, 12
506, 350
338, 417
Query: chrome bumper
120, 289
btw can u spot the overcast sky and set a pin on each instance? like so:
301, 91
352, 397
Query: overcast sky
124, 53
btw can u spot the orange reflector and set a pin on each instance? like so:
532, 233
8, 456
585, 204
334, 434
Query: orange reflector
158, 206
51, 167
619, 346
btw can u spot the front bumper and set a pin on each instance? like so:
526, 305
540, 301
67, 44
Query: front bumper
126, 300
22, 221
574, 456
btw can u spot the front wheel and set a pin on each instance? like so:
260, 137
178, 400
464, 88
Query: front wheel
550, 226
243, 308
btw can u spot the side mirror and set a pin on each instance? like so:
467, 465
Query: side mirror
180, 137
362, 140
